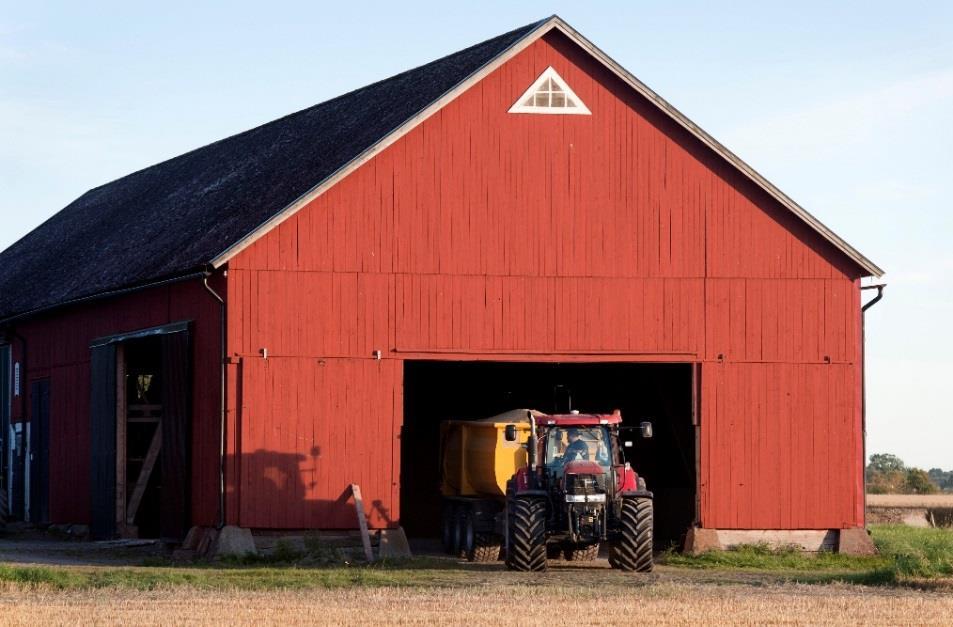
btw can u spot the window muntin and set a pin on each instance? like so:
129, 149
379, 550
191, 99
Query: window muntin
550, 94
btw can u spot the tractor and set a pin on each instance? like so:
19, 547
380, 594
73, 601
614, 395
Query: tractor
568, 489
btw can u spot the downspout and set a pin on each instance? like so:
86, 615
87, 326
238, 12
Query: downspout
863, 381
221, 424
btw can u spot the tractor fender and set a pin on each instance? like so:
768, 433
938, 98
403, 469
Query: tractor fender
531, 493
637, 494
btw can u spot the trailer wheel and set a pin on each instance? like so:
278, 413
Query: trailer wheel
446, 528
456, 531
527, 529
486, 548
633, 550
467, 535
586, 553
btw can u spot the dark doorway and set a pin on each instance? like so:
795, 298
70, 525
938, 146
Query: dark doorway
141, 479
141, 427
40, 451
435, 391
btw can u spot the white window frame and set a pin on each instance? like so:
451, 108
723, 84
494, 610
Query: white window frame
550, 73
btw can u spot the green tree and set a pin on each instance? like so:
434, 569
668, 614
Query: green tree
885, 462
918, 482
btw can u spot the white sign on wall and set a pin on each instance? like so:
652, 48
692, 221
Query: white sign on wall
16, 379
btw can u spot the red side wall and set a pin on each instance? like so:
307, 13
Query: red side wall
58, 349
483, 234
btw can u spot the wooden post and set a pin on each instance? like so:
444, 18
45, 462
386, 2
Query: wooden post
362, 522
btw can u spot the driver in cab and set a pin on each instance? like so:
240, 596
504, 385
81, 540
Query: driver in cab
577, 449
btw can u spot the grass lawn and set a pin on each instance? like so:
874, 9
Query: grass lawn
908, 556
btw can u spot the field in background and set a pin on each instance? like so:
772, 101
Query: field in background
910, 500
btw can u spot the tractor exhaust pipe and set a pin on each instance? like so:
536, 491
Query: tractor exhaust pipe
531, 449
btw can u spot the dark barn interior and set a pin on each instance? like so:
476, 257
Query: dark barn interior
141, 428
662, 393
143, 370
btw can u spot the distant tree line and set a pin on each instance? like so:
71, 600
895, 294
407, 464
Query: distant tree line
887, 474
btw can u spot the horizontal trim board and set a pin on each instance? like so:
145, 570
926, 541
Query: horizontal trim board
500, 356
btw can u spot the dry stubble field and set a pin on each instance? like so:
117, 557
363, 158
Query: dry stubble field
663, 602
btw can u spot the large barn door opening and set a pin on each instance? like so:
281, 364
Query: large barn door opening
662, 393
142, 383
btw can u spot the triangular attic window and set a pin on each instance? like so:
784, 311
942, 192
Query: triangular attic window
550, 94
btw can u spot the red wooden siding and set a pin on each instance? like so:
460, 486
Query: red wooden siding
309, 429
485, 234
779, 446
58, 348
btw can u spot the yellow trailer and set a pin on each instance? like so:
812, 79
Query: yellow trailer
477, 459
476, 463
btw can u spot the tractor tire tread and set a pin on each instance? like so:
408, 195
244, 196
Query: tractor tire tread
527, 531
486, 548
632, 551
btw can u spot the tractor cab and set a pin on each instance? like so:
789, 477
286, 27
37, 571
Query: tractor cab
566, 445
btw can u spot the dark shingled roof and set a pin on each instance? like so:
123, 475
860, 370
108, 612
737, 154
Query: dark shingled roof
175, 217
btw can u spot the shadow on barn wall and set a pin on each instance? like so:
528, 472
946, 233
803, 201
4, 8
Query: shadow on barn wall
277, 491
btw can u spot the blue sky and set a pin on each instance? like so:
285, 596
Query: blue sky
848, 108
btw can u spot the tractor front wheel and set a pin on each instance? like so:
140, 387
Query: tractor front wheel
527, 534
632, 551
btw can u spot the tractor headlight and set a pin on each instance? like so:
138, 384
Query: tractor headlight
585, 498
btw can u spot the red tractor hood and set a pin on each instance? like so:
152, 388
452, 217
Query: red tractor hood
583, 467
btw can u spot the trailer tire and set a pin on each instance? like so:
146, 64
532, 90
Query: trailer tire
486, 548
446, 528
467, 534
581, 553
632, 551
456, 531
527, 530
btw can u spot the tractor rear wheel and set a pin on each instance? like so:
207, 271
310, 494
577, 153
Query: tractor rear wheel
633, 550
581, 553
527, 531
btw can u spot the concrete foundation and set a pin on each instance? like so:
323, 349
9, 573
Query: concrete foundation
234, 541
849, 541
393, 543
855, 542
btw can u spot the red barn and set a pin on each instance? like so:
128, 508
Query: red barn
237, 334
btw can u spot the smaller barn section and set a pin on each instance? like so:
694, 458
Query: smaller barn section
522, 223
